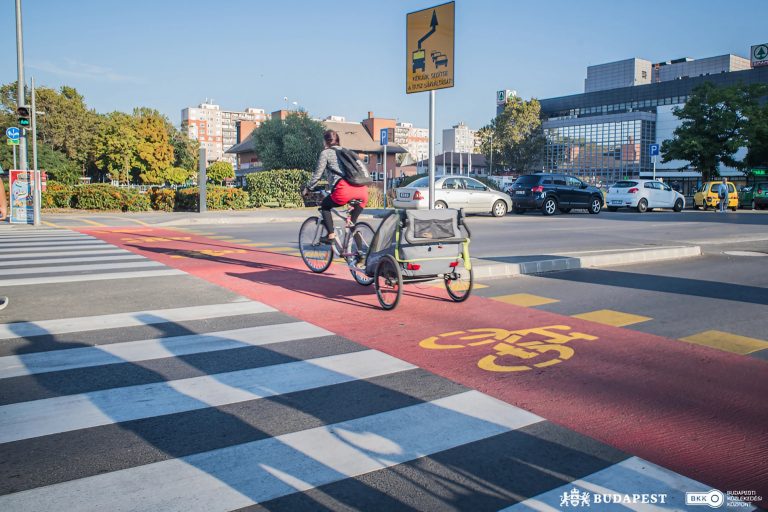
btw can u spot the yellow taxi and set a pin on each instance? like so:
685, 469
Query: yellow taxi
706, 196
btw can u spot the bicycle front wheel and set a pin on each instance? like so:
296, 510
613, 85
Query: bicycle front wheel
362, 236
317, 256
389, 282
459, 284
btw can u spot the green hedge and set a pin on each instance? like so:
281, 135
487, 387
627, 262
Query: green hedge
58, 195
281, 188
162, 199
107, 197
217, 198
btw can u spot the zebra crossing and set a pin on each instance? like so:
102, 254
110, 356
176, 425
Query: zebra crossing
30, 256
209, 401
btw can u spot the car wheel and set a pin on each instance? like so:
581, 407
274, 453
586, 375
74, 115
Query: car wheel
612, 209
642, 206
440, 205
678, 205
499, 209
549, 207
519, 211
733, 208
595, 206
565, 210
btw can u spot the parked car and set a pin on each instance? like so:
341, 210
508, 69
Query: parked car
706, 196
754, 196
454, 192
643, 195
550, 192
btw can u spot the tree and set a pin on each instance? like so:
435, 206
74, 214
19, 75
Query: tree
711, 131
756, 128
115, 147
294, 143
154, 152
219, 171
185, 150
518, 139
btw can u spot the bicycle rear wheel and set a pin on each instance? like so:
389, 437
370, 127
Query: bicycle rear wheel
362, 236
388, 282
459, 284
316, 255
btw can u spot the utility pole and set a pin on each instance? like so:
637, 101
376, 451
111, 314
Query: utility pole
20, 85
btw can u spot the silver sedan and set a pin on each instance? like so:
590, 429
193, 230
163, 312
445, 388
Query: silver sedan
454, 192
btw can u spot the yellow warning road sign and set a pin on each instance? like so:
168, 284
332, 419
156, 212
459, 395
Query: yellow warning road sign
430, 41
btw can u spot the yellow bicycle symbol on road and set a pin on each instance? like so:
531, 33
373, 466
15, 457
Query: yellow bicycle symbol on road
539, 347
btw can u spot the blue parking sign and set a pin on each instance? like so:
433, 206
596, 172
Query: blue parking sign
384, 135
654, 149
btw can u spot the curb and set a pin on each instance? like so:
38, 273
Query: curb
487, 269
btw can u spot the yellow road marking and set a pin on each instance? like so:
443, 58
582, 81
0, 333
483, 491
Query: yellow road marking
91, 222
239, 240
139, 222
258, 244
614, 318
524, 299
727, 342
280, 249
475, 286
50, 224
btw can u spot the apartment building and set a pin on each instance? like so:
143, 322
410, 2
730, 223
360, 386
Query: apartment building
414, 140
216, 129
460, 139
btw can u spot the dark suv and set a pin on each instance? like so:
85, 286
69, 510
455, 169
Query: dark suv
550, 192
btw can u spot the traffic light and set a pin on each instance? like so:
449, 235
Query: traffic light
24, 113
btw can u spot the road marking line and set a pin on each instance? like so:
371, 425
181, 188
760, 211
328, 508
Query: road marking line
258, 244
51, 224
159, 348
52, 246
33, 271
475, 286
238, 476
91, 222
727, 342
26, 420
22, 264
525, 299
280, 249
139, 222
239, 240
632, 476
130, 319
219, 237
91, 277
614, 318
74, 252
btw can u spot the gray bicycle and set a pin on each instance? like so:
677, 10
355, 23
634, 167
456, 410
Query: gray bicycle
352, 243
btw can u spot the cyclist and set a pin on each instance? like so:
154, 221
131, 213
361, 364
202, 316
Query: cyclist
341, 191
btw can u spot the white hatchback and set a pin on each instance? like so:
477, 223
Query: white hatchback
643, 195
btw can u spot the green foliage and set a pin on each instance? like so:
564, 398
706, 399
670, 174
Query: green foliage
154, 152
756, 129
293, 143
163, 199
277, 188
57, 195
711, 130
178, 175
185, 150
219, 171
518, 140
101, 196
115, 147
217, 198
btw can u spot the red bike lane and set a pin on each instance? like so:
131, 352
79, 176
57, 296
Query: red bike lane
697, 411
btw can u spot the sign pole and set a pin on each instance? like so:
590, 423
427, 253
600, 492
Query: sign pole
36, 172
385, 176
432, 149
14, 157
20, 85
202, 181
654, 168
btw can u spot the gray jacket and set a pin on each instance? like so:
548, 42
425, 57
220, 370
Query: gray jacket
328, 164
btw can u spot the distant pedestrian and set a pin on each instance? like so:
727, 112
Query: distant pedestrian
722, 194
3, 215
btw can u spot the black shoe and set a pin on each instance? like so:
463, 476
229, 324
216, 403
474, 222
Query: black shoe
327, 241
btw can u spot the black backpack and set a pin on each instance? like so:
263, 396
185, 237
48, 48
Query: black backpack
352, 168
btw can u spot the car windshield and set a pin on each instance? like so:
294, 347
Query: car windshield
530, 179
625, 184
419, 183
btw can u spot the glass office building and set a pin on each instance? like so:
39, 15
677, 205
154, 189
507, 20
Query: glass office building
604, 135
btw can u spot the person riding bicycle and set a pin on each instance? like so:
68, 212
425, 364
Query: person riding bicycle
342, 192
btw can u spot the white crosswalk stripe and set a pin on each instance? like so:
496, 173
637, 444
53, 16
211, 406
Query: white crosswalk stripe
32, 257
223, 405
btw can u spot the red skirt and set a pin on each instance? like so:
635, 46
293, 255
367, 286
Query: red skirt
343, 193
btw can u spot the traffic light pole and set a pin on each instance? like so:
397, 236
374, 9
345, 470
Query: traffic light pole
35, 170
20, 85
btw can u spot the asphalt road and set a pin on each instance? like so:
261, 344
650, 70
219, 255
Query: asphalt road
201, 408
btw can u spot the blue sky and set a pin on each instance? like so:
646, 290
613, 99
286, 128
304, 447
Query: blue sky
348, 57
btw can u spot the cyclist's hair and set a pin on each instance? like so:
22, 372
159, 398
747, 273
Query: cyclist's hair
331, 138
